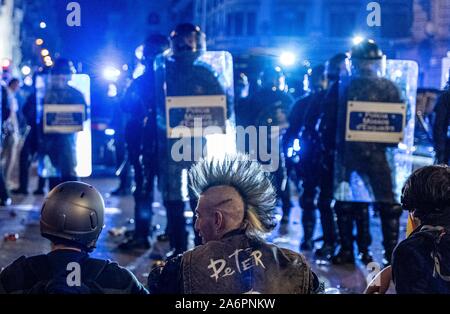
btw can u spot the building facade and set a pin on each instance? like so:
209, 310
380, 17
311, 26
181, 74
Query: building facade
317, 29
11, 16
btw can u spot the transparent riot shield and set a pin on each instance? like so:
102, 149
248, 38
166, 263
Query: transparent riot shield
375, 134
195, 109
63, 119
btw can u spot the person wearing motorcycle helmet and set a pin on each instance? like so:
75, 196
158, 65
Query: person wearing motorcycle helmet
72, 218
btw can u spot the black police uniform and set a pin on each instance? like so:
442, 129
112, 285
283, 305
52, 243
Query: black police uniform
140, 135
48, 274
441, 129
370, 161
4, 193
61, 148
184, 77
267, 106
313, 168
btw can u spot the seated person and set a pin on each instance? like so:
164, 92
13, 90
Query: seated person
421, 263
72, 219
235, 209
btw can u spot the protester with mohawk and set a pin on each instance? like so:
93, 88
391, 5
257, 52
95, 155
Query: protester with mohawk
235, 209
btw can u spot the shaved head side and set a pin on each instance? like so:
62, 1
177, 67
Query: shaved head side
244, 182
228, 201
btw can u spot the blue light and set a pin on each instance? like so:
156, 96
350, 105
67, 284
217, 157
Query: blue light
296, 145
288, 58
112, 90
290, 152
111, 73
110, 132
357, 39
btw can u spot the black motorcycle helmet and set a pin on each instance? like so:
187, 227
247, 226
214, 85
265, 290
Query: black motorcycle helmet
73, 214
367, 59
187, 37
63, 66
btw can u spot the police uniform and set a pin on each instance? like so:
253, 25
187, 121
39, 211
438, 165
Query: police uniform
441, 130
317, 189
269, 108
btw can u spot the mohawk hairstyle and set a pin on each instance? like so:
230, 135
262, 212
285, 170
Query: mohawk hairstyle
250, 181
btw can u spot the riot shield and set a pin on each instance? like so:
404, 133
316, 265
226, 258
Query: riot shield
195, 110
375, 134
64, 123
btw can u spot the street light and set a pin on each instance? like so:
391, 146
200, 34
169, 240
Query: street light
39, 42
45, 52
357, 39
111, 73
287, 58
26, 70
42, 25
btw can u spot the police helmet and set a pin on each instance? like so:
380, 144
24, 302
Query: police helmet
367, 59
187, 37
63, 66
154, 45
366, 50
73, 212
335, 66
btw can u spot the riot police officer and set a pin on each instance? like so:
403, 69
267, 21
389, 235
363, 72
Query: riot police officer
140, 133
184, 73
441, 129
361, 160
57, 150
270, 106
72, 219
317, 190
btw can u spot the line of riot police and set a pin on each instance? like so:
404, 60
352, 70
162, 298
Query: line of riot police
347, 141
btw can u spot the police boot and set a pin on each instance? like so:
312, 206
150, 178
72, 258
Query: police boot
329, 232
345, 226
308, 223
390, 226
363, 237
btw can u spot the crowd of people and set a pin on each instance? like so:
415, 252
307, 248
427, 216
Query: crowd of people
235, 209
234, 198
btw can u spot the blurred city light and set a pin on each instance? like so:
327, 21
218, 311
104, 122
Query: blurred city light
45, 52
47, 59
111, 73
287, 58
110, 132
49, 63
112, 90
42, 25
357, 39
139, 52
28, 81
6, 63
296, 145
139, 70
26, 70
39, 42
